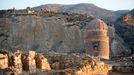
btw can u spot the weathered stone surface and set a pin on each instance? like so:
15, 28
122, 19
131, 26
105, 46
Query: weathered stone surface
15, 63
28, 61
88, 66
117, 44
125, 28
50, 32
42, 62
75, 65
128, 19
38, 64
96, 39
3, 61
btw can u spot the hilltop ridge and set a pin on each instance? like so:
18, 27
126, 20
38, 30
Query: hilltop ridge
86, 8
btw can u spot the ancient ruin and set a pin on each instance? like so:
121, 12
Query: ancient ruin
25, 63
58, 32
97, 40
71, 44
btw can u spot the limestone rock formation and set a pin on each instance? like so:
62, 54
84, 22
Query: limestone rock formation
125, 28
128, 19
117, 44
46, 32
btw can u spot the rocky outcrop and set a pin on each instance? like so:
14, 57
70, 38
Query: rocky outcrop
117, 44
59, 33
128, 19
48, 32
124, 28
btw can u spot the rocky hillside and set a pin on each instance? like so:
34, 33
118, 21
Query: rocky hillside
51, 32
125, 28
89, 9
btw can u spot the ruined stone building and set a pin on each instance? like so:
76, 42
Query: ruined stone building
96, 39
32, 63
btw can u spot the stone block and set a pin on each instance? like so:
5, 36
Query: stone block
28, 61
3, 61
15, 63
42, 62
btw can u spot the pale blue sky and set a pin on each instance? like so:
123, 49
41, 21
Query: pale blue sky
107, 4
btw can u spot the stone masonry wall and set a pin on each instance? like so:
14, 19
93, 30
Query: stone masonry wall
16, 63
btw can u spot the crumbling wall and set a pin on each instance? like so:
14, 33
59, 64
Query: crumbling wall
16, 63
76, 65
42, 62
28, 61
88, 66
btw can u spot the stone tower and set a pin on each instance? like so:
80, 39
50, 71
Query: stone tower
96, 39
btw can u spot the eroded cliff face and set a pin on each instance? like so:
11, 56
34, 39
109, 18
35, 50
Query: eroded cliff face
41, 33
117, 44
49, 32
125, 28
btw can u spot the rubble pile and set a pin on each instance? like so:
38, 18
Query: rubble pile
89, 66
76, 65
